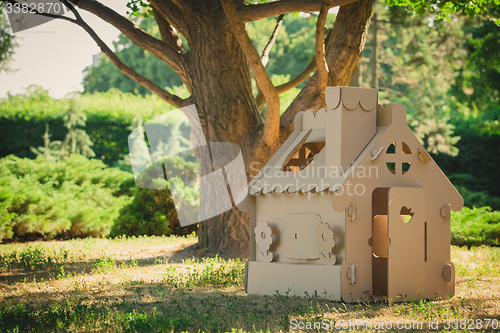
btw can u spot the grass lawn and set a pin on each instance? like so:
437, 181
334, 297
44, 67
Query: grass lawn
150, 284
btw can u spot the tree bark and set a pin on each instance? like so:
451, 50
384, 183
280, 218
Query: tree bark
223, 96
373, 60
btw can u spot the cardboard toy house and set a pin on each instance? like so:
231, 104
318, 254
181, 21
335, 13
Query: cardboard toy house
351, 207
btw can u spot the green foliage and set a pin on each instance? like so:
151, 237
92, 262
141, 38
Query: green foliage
23, 118
153, 212
291, 53
294, 47
139, 8
473, 171
109, 130
419, 63
32, 257
474, 227
475, 198
76, 141
105, 264
49, 148
215, 272
70, 198
148, 214
443, 9
105, 75
428, 66
437, 134
478, 82
7, 43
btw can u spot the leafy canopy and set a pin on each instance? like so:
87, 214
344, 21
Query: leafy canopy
443, 9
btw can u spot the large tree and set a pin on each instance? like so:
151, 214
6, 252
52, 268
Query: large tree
217, 72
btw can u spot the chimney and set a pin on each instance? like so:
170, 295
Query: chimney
351, 123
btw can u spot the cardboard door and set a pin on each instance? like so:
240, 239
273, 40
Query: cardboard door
406, 252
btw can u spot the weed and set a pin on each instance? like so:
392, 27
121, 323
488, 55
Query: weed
105, 264
62, 274
208, 272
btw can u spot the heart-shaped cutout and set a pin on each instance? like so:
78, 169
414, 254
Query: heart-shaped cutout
406, 214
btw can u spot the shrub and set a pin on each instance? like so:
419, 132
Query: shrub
478, 198
23, 118
475, 166
63, 199
153, 212
476, 226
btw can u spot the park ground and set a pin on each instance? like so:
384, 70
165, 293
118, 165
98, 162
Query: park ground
162, 284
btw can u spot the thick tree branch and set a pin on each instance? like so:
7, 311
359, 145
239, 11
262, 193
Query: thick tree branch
301, 77
347, 41
168, 33
253, 12
154, 88
163, 51
260, 100
272, 40
175, 15
344, 47
319, 54
271, 126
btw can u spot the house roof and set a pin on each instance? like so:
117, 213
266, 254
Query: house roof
318, 176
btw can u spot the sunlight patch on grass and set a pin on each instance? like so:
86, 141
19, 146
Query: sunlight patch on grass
117, 294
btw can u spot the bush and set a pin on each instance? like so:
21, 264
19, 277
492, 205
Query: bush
478, 198
476, 226
153, 212
64, 199
23, 118
475, 167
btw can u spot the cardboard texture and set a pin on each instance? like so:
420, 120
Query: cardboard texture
351, 206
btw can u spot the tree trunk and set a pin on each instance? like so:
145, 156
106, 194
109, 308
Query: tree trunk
228, 113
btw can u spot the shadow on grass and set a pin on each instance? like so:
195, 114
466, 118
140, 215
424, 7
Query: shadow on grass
17, 273
157, 307
206, 305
